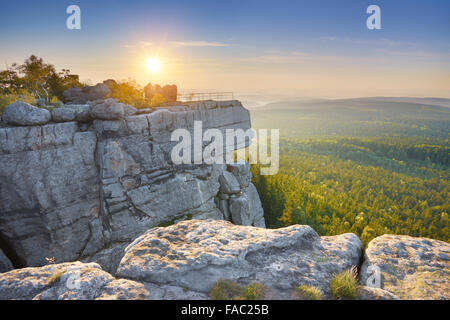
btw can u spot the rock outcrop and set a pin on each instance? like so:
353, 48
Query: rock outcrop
410, 268
86, 94
83, 190
169, 92
238, 198
196, 254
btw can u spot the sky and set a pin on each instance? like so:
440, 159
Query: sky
319, 48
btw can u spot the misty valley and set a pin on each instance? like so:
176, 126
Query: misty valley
369, 166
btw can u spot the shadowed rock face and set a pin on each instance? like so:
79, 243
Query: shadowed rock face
5, 263
196, 254
76, 191
411, 268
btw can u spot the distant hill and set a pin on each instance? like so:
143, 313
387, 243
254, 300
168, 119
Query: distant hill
380, 115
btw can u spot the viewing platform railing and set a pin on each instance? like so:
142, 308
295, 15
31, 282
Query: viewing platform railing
217, 96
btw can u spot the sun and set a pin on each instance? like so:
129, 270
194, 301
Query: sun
153, 65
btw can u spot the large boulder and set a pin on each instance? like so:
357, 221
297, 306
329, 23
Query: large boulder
410, 268
68, 281
82, 112
109, 109
23, 114
238, 199
241, 170
196, 254
63, 114
169, 92
97, 92
228, 183
5, 263
88, 93
75, 96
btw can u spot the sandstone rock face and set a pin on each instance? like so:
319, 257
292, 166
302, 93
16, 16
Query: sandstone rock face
49, 191
68, 281
169, 92
238, 198
411, 268
84, 190
5, 263
63, 114
23, 114
228, 183
196, 254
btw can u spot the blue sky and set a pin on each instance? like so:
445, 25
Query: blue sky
315, 48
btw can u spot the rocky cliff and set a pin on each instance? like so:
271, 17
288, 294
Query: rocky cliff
83, 190
95, 209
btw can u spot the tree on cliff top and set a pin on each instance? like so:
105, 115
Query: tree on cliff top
38, 78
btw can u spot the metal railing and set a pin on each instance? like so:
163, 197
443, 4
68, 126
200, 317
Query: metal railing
217, 96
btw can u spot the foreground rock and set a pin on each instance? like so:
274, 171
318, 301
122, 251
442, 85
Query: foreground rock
411, 268
369, 293
196, 254
20, 113
68, 281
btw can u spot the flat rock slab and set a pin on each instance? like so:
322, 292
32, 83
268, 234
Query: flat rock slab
196, 254
410, 268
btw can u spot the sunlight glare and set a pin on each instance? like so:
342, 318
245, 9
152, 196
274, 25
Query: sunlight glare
153, 65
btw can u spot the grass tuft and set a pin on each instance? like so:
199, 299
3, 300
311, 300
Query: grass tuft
305, 292
230, 290
55, 277
345, 284
254, 291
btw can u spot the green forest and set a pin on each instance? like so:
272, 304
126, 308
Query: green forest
369, 175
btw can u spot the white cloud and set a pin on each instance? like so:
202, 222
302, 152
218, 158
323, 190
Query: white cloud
198, 44
140, 44
375, 42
